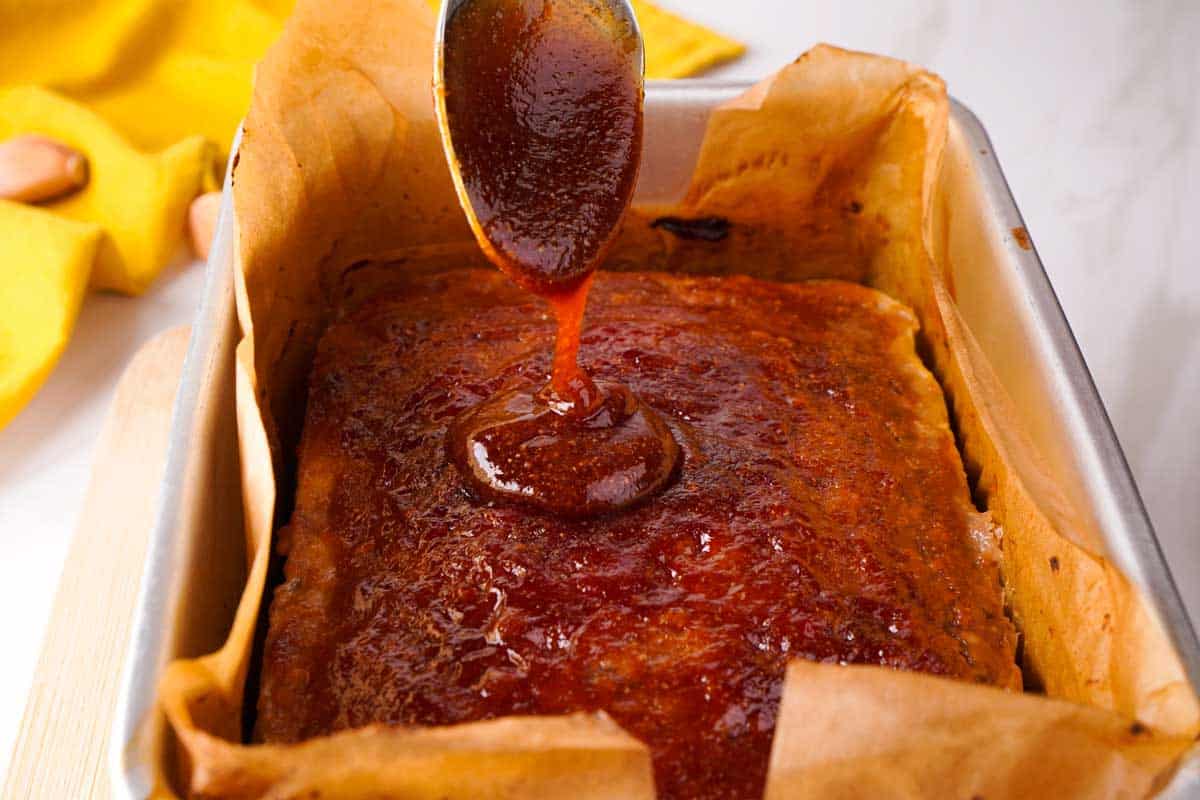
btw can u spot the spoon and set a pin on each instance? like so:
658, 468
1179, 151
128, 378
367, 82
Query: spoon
539, 108
539, 104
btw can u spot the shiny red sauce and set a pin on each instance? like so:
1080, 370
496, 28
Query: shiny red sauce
543, 111
543, 106
821, 513
567, 380
574, 465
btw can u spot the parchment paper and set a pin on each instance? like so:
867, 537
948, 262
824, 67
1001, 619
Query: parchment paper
827, 169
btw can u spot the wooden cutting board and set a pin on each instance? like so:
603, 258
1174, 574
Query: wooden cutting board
62, 744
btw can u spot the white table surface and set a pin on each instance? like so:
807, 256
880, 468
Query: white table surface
1094, 110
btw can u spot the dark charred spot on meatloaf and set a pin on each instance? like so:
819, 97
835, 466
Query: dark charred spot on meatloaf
705, 229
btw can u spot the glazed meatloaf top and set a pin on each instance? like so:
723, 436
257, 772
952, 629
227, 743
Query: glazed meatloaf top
820, 512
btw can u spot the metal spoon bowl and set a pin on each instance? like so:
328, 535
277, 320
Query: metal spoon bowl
542, 128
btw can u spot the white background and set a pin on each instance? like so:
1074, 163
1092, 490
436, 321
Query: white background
1094, 110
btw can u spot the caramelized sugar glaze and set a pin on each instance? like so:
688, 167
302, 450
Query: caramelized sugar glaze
820, 512
542, 105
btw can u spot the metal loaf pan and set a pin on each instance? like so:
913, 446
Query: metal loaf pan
196, 560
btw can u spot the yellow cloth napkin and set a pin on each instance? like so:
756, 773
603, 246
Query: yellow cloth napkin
676, 48
139, 200
152, 92
42, 281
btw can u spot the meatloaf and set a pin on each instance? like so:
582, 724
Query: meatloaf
821, 512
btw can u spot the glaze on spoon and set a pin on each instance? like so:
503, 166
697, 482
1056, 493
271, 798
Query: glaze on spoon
540, 109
